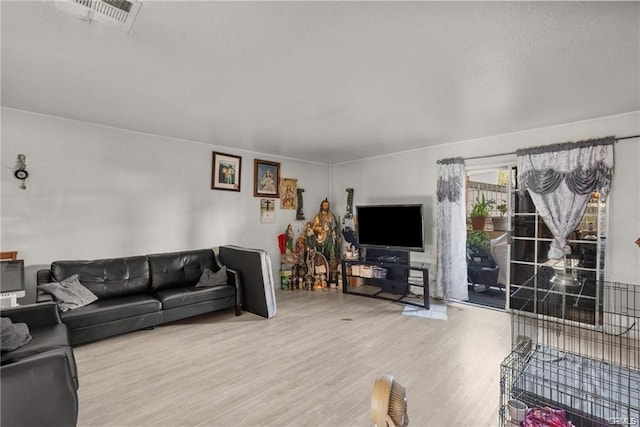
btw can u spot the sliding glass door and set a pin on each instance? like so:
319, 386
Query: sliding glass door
535, 278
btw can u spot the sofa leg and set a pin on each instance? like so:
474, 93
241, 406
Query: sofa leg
238, 311
150, 328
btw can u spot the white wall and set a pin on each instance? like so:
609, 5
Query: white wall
412, 176
100, 192
97, 192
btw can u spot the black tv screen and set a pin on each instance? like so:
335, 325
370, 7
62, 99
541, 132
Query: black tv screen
397, 227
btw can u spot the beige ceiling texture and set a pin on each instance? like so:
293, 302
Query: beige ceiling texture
326, 81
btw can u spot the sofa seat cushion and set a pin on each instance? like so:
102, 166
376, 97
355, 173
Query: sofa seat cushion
107, 310
178, 297
43, 339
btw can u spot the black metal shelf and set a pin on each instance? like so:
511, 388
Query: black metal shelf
395, 286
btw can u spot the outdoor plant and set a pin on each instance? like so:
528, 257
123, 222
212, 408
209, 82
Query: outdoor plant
502, 207
478, 242
500, 222
482, 207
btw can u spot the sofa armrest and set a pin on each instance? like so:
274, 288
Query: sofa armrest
43, 277
34, 315
233, 279
38, 390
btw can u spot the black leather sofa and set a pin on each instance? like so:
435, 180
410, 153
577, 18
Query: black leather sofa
140, 292
39, 380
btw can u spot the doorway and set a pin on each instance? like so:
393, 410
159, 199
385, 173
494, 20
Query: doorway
516, 252
488, 202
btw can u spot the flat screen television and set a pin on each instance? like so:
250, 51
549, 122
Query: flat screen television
391, 227
12, 278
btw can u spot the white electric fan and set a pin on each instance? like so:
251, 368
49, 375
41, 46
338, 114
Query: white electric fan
389, 403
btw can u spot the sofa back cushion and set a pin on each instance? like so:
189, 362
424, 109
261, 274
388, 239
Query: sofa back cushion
107, 278
170, 270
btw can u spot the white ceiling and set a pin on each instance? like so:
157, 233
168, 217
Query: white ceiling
327, 81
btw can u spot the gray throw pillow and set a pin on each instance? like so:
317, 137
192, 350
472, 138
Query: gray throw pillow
69, 293
13, 335
209, 278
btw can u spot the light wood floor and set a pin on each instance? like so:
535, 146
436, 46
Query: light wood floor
308, 366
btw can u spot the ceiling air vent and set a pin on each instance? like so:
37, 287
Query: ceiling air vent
116, 12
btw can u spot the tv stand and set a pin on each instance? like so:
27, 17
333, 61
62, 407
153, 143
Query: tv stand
390, 281
390, 259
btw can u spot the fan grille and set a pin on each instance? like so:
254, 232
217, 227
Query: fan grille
388, 403
398, 404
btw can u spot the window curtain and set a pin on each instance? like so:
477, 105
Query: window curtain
561, 179
451, 278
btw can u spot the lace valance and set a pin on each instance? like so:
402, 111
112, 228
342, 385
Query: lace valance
450, 181
584, 167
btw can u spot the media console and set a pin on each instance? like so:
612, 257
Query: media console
391, 281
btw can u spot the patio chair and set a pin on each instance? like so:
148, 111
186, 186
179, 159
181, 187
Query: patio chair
482, 272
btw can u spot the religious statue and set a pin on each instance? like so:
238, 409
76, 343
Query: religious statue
290, 236
323, 236
286, 246
318, 267
321, 282
316, 251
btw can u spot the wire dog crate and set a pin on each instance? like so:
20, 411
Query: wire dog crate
589, 372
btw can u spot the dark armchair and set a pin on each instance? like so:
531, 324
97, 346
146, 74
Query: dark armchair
42, 372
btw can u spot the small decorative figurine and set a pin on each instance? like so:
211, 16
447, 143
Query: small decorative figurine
289, 256
289, 234
321, 283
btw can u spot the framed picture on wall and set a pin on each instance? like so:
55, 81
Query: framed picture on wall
267, 210
288, 189
266, 177
225, 172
